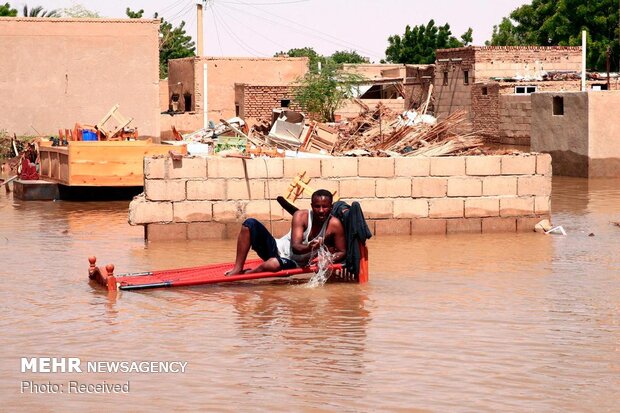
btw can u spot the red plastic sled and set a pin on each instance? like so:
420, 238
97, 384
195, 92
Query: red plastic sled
211, 274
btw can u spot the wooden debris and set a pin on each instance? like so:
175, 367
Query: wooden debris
384, 132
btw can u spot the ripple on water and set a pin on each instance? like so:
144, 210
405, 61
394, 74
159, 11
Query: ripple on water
504, 322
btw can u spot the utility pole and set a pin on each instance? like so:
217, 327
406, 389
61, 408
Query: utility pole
199, 43
583, 61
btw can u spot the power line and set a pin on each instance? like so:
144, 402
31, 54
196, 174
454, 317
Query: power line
268, 4
217, 32
310, 31
233, 36
253, 31
183, 12
172, 6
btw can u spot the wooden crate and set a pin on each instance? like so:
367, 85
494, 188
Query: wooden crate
100, 163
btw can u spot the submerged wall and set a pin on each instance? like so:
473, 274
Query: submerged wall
199, 198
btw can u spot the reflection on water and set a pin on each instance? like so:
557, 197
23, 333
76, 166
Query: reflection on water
494, 322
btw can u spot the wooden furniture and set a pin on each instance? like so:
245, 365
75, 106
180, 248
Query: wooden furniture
112, 124
99, 163
299, 186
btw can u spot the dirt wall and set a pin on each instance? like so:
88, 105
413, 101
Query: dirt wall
564, 136
56, 72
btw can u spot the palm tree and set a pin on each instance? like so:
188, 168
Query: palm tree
39, 12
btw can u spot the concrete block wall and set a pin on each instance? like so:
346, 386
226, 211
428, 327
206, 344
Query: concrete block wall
202, 198
515, 119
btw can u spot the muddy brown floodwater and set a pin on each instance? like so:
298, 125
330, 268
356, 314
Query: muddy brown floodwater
473, 323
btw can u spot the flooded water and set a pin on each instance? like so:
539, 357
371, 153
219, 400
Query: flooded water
472, 323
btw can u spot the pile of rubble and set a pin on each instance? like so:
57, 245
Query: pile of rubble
375, 132
381, 132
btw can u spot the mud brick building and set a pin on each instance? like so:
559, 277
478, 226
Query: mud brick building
398, 87
494, 84
577, 130
205, 88
258, 101
56, 72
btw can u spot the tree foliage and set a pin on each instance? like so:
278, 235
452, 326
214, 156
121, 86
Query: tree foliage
134, 14
559, 23
322, 93
174, 42
338, 57
348, 56
7, 11
505, 34
313, 57
418, 44
79, 12
39, 12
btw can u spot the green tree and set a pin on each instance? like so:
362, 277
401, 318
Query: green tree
505, 34
134, 14
418, 44
347, 56
79, 12
7, 11
39, 12
560, 22
313, 57
174, 42
322, 93
468, 37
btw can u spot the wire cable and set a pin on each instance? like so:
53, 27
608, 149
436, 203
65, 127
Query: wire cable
269, 4
235, 38
309, 31
217, 31
253, 31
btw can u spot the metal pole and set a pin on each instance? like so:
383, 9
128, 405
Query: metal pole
199, 28
583, 61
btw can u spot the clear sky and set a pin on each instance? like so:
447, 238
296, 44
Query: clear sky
264, 27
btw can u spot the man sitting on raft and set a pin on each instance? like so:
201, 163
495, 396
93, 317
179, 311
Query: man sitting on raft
309, 230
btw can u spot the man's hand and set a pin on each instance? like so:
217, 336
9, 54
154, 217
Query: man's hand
316, 243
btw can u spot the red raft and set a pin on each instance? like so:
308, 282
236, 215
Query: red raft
211, 274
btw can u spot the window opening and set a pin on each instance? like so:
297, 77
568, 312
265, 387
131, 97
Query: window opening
187, 100
525, 89
558, 106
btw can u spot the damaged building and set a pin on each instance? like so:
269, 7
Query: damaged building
495, 83
200, 89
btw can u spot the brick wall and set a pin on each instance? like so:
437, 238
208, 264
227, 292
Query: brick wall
198, 198
485, 109
528, 61
258, 101
350, 109
223, 73
450, 89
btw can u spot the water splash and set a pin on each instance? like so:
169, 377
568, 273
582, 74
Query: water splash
325, 259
